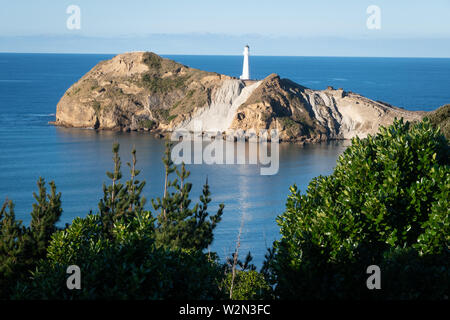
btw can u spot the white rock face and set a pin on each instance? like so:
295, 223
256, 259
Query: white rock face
325, 109
219, 115
351, 115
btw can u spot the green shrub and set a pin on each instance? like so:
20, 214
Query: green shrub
126, 266
408, 275
387, 191
247, 285
152, 60
170, 118
155, 84
147, 123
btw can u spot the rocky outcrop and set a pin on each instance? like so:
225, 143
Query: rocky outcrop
302, 114
142, 91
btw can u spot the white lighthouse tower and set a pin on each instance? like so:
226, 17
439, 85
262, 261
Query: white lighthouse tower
245, 68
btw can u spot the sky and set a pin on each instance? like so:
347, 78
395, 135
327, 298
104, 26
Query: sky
284, 27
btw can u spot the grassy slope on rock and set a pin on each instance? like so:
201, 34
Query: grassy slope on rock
165, 76
440, 117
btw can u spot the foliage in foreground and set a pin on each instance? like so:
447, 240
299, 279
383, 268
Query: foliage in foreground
247, 283
22, 247
385, 204
125, 265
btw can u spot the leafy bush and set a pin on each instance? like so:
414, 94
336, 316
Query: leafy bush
248, 285
156, 84
408, 275
127, 266
147, 123
387, 191
152, 60
242, 281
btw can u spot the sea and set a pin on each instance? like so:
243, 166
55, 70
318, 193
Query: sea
77, 159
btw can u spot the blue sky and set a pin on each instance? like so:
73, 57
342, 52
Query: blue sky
283, 27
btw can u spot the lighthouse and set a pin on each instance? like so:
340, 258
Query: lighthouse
245, 68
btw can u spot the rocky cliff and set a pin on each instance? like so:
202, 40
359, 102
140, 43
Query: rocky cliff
142, 91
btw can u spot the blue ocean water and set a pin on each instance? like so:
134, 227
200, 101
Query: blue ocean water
76, 159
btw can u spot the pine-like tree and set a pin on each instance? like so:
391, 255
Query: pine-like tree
22, 247
114, 202
135, 186
178, 225
46, 213
12, 248
121, 201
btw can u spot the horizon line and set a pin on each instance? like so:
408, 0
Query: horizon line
227, 55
